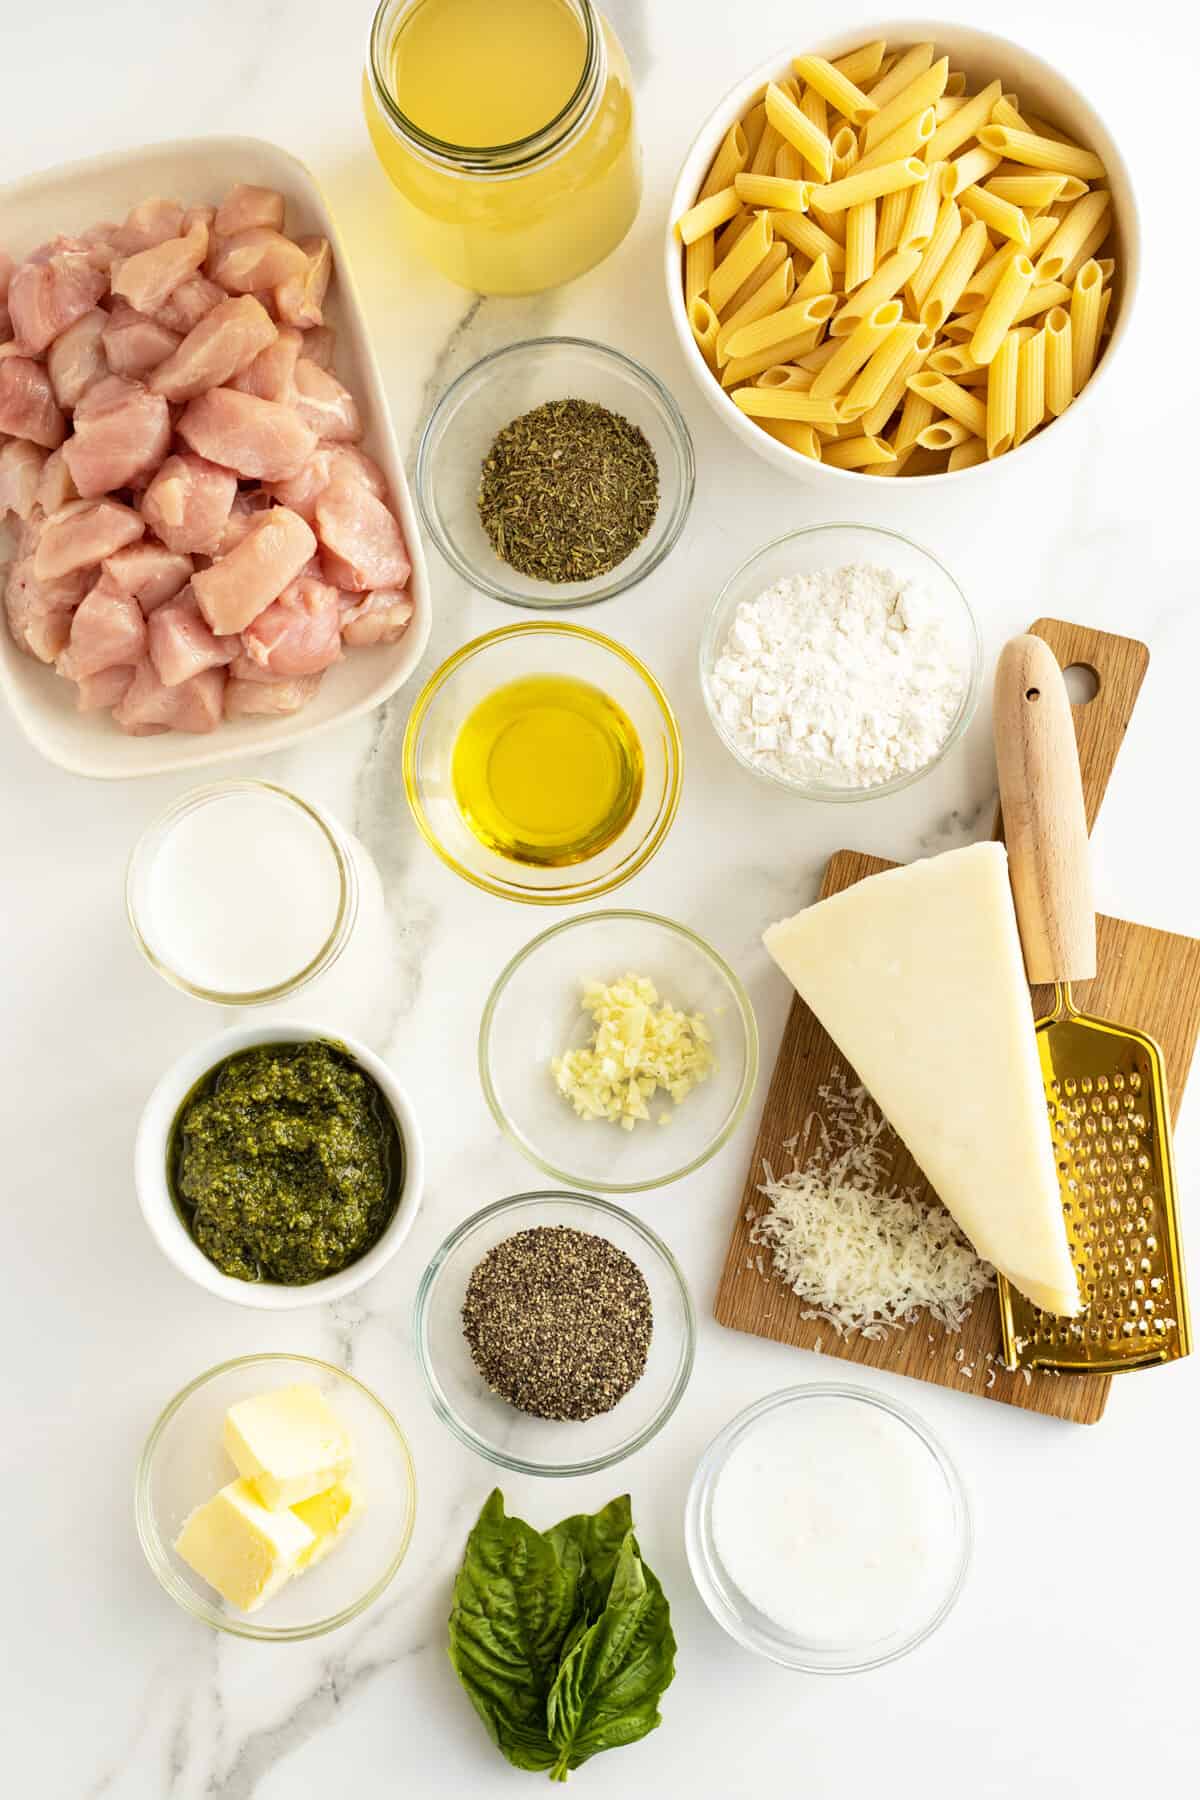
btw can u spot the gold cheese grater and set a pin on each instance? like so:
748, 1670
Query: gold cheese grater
1105, 1084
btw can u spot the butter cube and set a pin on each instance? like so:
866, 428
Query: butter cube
329, 1516
242, 1548
290, 1443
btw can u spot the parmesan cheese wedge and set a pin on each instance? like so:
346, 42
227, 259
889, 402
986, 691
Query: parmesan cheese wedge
917, 976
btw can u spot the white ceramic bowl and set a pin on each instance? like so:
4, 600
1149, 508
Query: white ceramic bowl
983, 56
201, 170
168, 1229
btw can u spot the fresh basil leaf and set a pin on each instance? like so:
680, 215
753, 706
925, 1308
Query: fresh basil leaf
597, 1539
607, 1689
515, 1602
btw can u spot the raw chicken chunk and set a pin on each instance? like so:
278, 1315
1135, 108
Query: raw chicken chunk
181, 644
108, 630
329, 462
55, 488
39, 612
318, 346
298, 634
151, 222
207, 213
121, 435
7, 265
251, 699
261, 439
21, 465
245, 206
382, 617
82, 534
45, 297
133, 343
247, 510
325, 404
28, 408
148, 278
76, 359
234, 590
271, 375
298, 302
148, 705
256, 259
188, 503
97, 693
151, 574
190, 302
226, 340
362, 544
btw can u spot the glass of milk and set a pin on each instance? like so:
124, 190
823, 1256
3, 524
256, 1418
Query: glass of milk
242, 894
827, 1529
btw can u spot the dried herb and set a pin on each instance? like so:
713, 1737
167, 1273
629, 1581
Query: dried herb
568, 491
558, 1322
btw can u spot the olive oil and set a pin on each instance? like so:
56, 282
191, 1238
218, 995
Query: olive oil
547, 770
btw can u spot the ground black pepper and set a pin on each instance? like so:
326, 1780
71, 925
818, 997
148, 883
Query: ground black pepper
558, 1322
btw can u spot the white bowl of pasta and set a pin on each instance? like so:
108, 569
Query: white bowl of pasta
969, 213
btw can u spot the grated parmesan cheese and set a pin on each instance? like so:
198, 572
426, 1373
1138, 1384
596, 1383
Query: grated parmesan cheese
864, 1254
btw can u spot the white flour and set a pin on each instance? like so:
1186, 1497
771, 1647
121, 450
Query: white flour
848, 677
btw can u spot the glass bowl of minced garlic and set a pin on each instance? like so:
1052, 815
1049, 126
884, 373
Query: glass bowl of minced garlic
275, 1497
618, 1051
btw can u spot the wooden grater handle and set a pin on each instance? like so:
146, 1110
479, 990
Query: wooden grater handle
1045, 828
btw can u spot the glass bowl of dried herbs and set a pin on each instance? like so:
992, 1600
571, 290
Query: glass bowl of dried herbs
555, 1332
555, 473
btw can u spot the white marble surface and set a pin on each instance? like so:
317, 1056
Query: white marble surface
1068, 1667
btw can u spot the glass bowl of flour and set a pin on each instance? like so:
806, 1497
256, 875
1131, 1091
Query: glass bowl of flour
841, 662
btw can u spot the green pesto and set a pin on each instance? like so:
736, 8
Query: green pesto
285, 1162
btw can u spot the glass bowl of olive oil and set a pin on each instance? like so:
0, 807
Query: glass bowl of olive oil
551, 394
543, 763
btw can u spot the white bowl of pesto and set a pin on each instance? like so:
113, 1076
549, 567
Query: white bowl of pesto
154, 1152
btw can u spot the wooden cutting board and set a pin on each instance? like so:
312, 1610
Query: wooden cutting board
1146, 978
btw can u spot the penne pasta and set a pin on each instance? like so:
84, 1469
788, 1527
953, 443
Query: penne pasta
944, 434
907, 140
804, 234
792, 124
1087, 253
1086, 217
748, 252
728, 236
1038, 300
868, 184
785, 375
706, 215
800, 316
763, 160
786, 403
956, 83
729, 161
947, 229
951, 279
698, 258
1031, 386
853, 351
949, 397
818, 280
953, 132
887, 280
1005, 112
844, 145
775, 192
892, 211
924, 90
813, 106
745, 368
982, 284
1041, 152
1086, 300
972, 167
1060, 380
921, 216
775, 258
876, 417
795, 434
1033, 191
858, 453
754, 124
965, 456
953, 359
1002, 395
880, 369
863, 65
771, 297
1001, 217
1000, 311
915, 415
903, 72
860, 244
789, 163
948, 105
705, 327
842, 94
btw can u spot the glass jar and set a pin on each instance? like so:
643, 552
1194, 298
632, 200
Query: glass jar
512, 218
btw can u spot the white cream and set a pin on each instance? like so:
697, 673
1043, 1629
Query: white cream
835, 1521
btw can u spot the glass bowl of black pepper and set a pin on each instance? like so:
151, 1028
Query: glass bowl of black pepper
555, 1332
555, 473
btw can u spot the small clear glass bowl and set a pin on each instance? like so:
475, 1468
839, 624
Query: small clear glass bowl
498, 389
502, 1433
753, 1629
544, 647
534, 1014
184, 1464
818, 547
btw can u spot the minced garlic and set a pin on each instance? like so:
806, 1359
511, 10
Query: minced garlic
638, 1046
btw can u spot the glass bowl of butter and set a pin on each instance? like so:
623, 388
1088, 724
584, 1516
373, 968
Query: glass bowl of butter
275, 1497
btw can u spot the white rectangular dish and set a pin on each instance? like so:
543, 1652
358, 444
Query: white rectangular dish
199, 171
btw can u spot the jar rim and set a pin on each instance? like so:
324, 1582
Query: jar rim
487, 159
